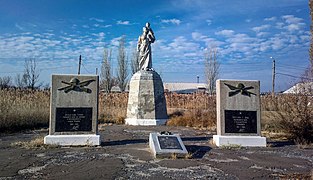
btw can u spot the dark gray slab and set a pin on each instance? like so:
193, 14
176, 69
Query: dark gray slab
237, 121
73, 119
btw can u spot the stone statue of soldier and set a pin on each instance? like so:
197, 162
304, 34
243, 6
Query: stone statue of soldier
144, 48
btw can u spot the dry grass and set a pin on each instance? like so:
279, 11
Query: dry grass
23, 109
36, 143
191, 110
112, 107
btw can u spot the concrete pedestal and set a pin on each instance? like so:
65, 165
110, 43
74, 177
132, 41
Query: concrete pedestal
245, 141
73, 140
146, 101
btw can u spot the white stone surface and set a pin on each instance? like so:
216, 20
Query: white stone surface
165, 153
146, 100
245, 141
73, 140
145, 122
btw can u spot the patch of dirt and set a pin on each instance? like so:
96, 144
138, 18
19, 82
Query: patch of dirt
124, 154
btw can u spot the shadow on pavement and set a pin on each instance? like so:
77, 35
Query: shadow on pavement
202, 138
123, 142
280, 143
198, 151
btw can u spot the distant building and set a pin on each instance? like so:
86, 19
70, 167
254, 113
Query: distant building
306, 88
185, 88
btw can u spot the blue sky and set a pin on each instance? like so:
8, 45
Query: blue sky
245, 32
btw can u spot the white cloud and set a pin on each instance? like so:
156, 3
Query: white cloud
123, 22
209, 22
225, 32
209, 42
115, 41
261, 28
291, 19
279, 25
172, 21
259, 34
270, 19
293, 27
97, 19
293, 23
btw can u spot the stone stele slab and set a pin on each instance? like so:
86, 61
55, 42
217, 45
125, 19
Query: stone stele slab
73, 110
166, 146
146, 101
238, 113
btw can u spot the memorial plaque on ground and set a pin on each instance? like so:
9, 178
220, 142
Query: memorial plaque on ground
169, 142
73, 110
238, 113
164, 146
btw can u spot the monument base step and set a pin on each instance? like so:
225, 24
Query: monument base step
145, 122
246, 141
73, 140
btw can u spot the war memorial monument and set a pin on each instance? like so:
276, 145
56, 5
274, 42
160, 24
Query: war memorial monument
238, 113
146, 101
74, 111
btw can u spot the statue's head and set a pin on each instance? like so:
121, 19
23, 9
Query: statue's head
147, 24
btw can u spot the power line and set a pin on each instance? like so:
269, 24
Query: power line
294, 76
85, 68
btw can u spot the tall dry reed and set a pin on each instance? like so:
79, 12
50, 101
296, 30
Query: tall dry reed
23, 109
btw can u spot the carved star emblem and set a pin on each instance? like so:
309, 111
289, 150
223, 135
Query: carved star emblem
239, 89
76, 85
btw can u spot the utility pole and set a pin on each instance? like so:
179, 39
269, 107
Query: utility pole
198, 79
273, 77
80, 63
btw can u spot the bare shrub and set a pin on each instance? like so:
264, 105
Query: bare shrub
292, 114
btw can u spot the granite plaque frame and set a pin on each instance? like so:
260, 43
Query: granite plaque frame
169, 142
237, 121
164, 146
73, 119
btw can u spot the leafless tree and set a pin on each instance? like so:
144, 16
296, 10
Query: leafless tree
21, 81
31, 73
212, 67
5, 82
134, 62
106, 78
122, 72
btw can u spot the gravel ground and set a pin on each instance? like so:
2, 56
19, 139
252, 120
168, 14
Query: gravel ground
124, 154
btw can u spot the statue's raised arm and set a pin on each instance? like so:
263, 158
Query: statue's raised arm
144, 48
